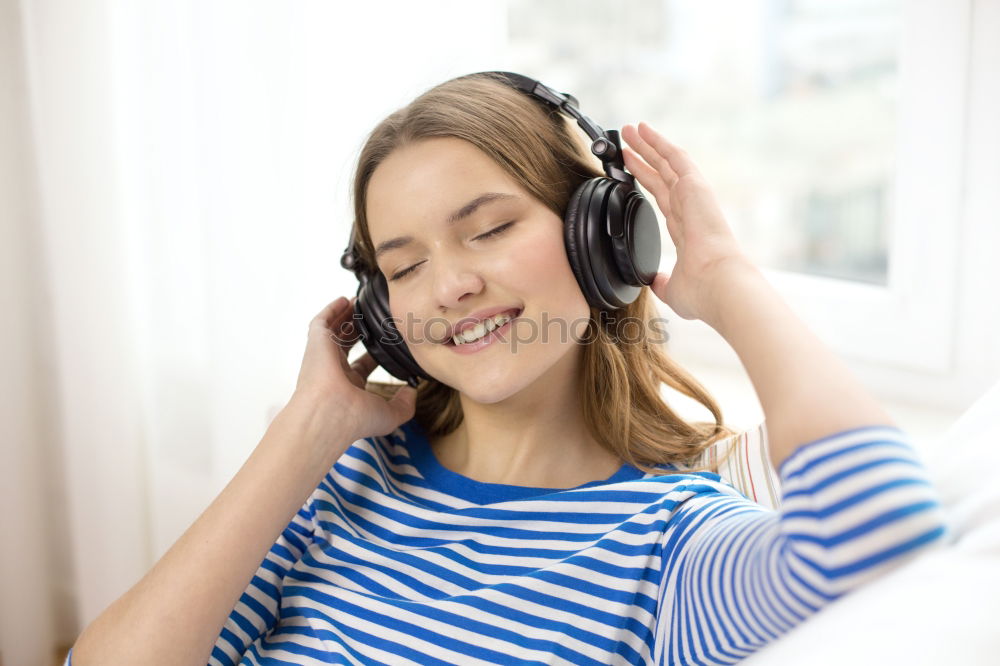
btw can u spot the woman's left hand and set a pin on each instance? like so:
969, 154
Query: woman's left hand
695, 222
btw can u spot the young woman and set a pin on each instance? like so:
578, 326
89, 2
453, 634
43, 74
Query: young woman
533, 500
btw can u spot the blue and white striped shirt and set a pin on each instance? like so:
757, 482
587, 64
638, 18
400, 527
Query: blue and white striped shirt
395, 559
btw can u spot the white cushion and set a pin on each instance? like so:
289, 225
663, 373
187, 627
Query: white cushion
965, 467
749, 468
940, 607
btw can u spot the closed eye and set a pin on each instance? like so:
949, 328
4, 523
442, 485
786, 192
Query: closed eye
489, 234
494, 232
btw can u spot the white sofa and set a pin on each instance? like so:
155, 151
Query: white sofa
943, 606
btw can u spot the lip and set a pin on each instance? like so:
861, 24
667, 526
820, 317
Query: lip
481, 315
483, 342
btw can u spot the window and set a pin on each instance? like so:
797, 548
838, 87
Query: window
812, 121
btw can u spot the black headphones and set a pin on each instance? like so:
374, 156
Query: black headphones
611, 232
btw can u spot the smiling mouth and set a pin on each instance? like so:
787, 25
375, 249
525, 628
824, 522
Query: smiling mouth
450, 342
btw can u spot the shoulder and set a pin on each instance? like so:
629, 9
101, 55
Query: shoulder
405, 434
677, 486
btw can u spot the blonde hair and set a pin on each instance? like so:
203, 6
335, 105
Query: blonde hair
621, 380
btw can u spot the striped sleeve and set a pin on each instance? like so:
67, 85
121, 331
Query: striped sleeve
257, 609
735, 575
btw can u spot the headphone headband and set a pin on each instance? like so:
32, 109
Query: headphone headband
605, 144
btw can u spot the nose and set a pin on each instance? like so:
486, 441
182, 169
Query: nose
454, 281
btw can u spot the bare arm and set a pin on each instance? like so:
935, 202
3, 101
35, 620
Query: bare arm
174, 614
806, 392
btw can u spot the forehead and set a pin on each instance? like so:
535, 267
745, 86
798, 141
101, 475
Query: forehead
425, 181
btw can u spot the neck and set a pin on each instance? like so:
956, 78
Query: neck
537, 437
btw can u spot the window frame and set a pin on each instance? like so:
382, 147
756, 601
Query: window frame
909, 323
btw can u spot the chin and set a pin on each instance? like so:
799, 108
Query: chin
487, 395
495, 382
486, 389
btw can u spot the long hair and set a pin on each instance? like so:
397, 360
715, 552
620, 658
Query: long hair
621, 379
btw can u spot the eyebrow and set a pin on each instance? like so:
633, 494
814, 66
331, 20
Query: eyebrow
459, 215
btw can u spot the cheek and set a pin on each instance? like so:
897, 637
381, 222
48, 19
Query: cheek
544, 259
541, 266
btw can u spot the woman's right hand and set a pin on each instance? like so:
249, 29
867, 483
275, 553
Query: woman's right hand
328, 382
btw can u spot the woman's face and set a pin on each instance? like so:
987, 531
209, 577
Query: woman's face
421, 191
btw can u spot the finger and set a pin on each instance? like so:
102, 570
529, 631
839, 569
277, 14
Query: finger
332, 310
676, 156
648, 177
345, 334
659, 285
403, 404
649, 153
364, 365
336, 321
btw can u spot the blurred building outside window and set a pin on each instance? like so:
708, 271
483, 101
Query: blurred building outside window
809, 118
790, 105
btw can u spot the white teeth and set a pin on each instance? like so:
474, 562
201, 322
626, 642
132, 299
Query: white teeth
473, 333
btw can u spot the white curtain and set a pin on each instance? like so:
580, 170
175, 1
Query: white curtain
175, 201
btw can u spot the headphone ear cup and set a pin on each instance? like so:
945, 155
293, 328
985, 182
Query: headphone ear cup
596, 211
636, 237
575, 234
379, 334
